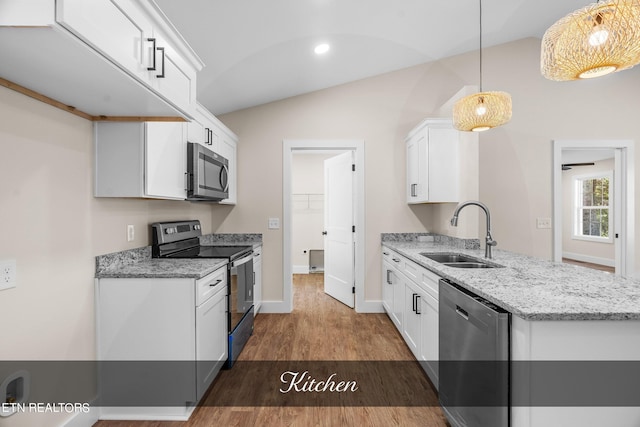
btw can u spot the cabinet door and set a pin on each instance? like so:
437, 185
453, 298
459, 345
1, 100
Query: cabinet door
211, 340
165, 160
413, 170
113, 28
428, 306
443, 168
411, 321
228, 150
196, 132
173, 78
388, 276
417, 168
398, 301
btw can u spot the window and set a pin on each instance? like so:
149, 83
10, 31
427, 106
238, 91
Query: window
593, 216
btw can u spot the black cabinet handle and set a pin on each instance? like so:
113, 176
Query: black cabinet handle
161, 75
153, 55
414, 302
417, 305
217, 281
389, 277
395, 259
324, 233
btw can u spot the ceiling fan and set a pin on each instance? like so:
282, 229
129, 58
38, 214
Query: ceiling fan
567, 166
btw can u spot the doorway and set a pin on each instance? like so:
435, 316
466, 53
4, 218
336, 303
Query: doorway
593, 203
292, 200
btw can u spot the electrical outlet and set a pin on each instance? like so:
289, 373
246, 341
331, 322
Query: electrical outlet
7, 274
131, 232
543, 222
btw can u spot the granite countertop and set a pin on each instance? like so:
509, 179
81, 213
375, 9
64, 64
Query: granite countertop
137, 263
533, 288
164, 268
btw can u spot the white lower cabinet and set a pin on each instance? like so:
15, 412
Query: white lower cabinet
410, 298
161, 343
428, 355
412, 317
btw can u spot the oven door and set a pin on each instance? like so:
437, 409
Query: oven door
241, 292
207, 174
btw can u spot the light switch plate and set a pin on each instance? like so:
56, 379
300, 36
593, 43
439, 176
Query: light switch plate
274, 223
543, 222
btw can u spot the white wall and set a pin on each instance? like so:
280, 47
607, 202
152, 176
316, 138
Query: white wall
597, 252
307, 186
54, 227
515, 160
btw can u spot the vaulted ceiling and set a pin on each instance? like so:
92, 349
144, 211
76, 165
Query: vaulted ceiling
258, 51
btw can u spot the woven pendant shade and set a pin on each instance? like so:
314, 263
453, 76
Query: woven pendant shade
482, 111
593, 41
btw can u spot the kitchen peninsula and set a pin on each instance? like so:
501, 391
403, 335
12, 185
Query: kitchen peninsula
586, 321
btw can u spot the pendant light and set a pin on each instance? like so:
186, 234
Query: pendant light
483, 110
593, 41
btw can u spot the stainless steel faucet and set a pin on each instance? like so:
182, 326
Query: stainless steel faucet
488, 240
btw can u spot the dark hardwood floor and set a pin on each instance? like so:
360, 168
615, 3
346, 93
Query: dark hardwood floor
589, 265
319, 329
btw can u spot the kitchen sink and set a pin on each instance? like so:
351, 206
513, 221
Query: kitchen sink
458, 260
468, 264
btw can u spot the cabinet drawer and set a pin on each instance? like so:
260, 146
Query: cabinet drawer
210, 285
429, 282
411, 270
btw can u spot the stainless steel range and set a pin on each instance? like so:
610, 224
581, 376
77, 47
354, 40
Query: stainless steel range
181, 239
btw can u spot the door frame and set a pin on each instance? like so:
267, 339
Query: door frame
625, 265
288, 147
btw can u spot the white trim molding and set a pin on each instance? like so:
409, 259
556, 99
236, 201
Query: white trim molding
357, 146
625, 216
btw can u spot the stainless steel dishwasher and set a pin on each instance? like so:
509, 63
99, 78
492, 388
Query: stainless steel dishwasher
474, 339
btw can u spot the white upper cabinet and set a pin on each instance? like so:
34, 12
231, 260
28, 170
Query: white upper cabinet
433, 162
228, 150
137, 159
102, 57
207, 130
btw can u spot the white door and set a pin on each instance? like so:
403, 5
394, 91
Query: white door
338, 228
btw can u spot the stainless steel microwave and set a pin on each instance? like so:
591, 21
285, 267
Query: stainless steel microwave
207, 174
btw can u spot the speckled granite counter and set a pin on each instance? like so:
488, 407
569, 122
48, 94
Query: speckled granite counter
532, 288
166, 268
138, 263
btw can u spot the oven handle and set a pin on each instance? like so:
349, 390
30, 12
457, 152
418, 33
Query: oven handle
242, 260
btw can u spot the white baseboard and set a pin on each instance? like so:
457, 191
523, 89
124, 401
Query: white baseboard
370, 307
82, 419
300, 269
592, 259
274, 307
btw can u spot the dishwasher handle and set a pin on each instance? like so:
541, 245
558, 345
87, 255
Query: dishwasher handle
462, 312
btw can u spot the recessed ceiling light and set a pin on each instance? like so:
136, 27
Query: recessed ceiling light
321, 48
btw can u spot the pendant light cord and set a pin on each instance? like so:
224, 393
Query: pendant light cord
480, 45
